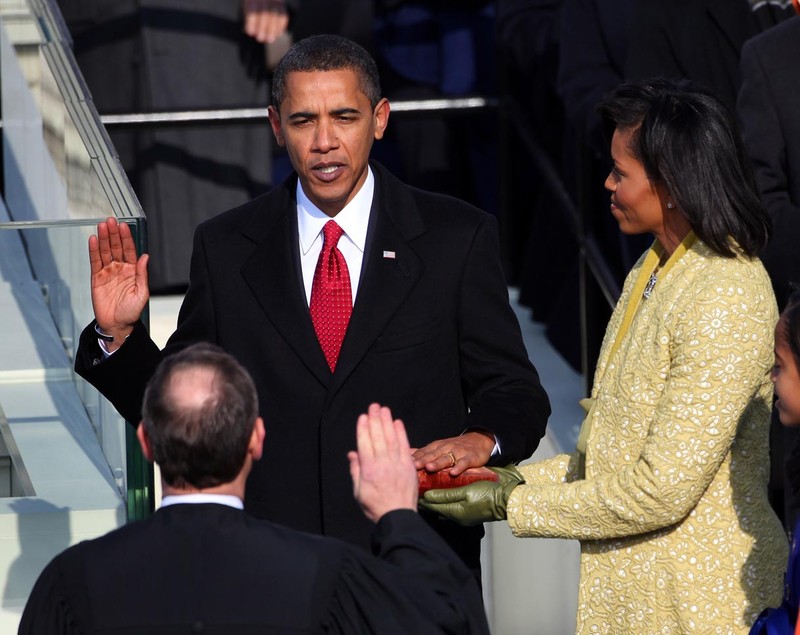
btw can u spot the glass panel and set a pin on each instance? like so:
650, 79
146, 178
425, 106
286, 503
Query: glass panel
60, 176
58, 161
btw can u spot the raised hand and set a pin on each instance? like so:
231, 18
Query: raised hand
119, 280
383, 473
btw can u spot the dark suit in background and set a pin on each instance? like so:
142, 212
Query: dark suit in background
697, 39
351, 18
432, 336
217, 570
440, 50
537, 235
769, 108
593, 49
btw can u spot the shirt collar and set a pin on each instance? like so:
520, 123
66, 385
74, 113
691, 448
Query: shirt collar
219, 499
353, 219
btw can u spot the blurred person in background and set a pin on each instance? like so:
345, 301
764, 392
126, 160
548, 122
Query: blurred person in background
700, 40
440, 50
768, 106
140, 56
782, 620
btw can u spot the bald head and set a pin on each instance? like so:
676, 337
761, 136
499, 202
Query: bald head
193, 389
199, 410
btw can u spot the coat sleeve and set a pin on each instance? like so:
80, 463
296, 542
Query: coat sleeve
416, 585
721, 354
122, 377
503, 391
561, 468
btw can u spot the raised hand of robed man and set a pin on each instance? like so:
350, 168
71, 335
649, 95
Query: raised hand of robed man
383, 472
119, 280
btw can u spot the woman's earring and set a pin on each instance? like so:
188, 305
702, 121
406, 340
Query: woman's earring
670, 206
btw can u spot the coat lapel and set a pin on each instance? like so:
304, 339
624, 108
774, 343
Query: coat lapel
390, 271
273, 274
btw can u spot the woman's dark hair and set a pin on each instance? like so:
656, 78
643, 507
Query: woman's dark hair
789, 331
327, 53
687, 140
790, 320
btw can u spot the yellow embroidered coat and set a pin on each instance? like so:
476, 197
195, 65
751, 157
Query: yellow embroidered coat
677, 535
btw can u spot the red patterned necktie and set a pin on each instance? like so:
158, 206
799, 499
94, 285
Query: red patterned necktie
331, 301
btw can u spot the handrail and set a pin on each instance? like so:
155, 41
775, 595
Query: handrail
21, 484
258, 114
587, 243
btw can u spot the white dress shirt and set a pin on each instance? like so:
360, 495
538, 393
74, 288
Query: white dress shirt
353, 219
220, 499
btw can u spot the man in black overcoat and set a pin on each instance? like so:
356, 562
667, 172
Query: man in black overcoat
431, 334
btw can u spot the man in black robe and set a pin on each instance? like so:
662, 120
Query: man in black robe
201, 564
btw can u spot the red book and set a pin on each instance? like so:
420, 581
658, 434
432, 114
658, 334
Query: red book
443, 480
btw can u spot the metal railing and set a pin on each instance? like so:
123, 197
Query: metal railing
462, 105
599, 288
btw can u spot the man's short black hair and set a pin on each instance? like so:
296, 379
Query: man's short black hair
327, 53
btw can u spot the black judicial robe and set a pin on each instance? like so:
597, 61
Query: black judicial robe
211, 568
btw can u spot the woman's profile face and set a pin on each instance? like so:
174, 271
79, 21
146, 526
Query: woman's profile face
636, 204
786, 378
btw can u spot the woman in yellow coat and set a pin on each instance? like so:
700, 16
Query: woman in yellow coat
667, 491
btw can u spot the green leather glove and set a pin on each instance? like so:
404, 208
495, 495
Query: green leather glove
476, 503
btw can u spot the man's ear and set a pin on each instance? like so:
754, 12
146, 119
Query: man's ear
381, 114
144, 442
275, 123
256, 447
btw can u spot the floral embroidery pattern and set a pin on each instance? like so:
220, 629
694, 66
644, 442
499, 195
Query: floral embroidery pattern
677, 535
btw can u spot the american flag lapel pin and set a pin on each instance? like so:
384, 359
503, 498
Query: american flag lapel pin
389, 254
